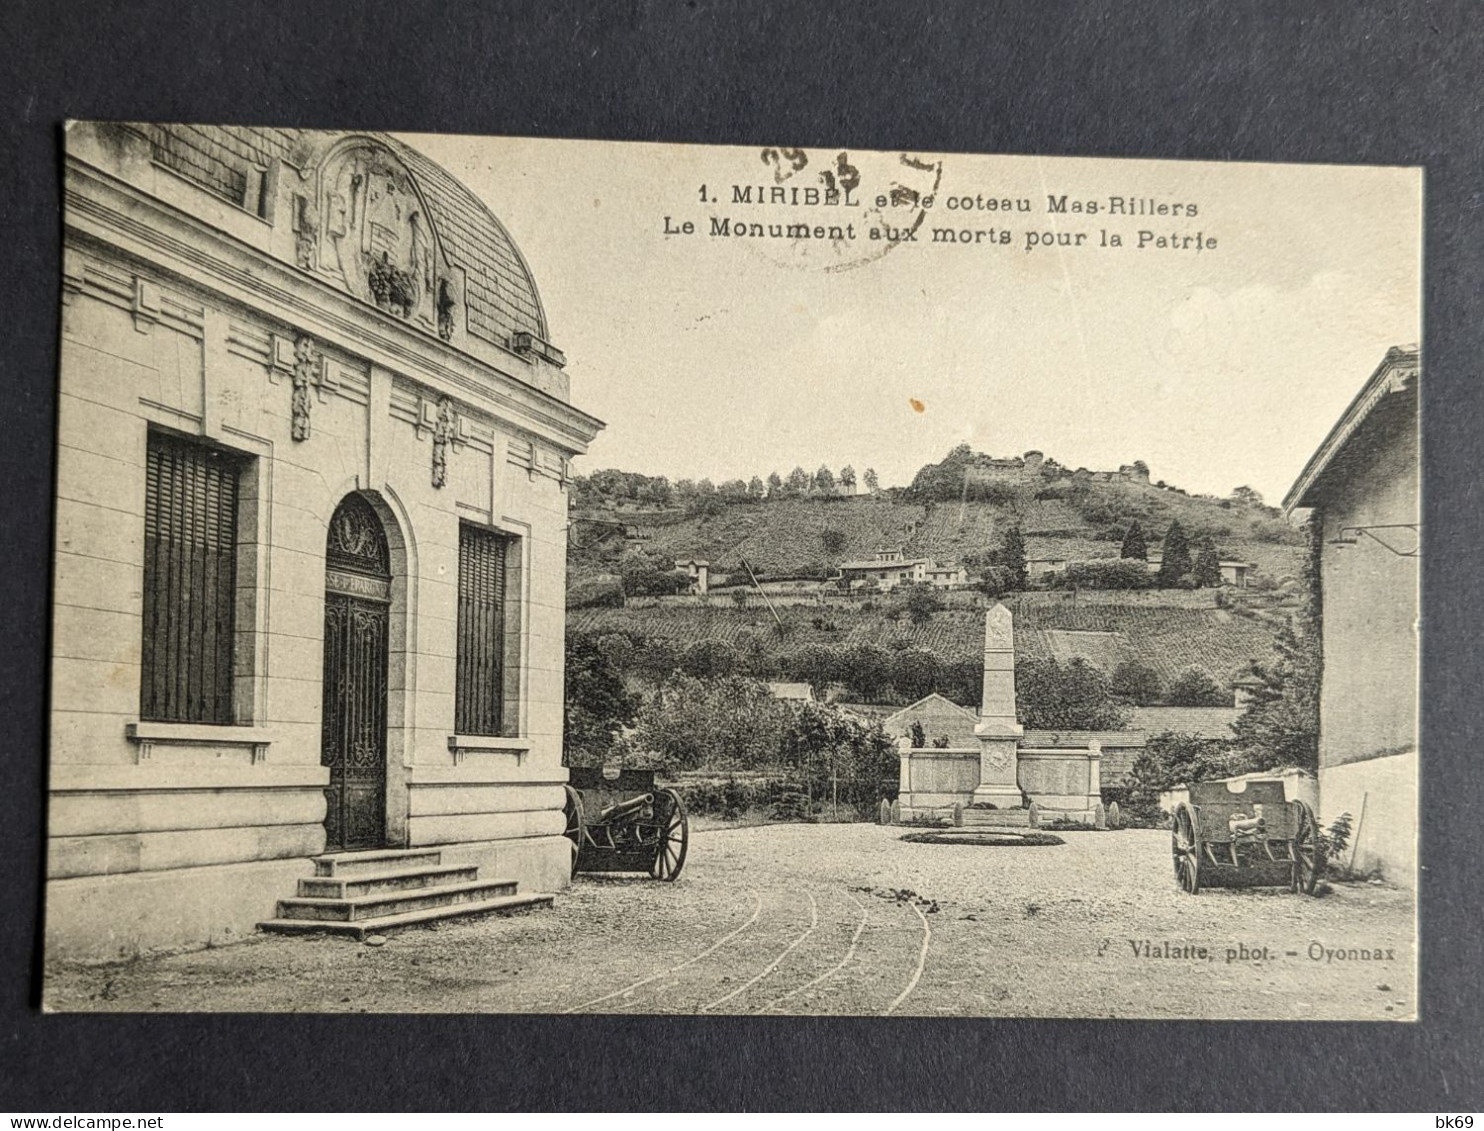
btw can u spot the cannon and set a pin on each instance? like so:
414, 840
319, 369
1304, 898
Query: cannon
1225, 837
624, 823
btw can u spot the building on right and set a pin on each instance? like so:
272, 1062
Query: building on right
1363, 490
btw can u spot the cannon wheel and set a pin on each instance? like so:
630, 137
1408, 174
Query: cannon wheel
576, 822
1185, 848
669, 856
1308, 854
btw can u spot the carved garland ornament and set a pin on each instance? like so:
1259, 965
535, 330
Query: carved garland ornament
443, 433
306, 366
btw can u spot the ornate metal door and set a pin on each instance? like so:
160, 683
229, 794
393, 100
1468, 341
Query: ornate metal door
353, 737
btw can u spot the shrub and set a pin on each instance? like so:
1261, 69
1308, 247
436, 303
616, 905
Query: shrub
1334, 840
920, 603
1110, 573
598, 706
597, 593
1194, 688
1072, 696
1174, 759
710, 658
1136, 682
689, 723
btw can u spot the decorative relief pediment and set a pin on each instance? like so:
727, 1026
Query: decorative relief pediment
369, 231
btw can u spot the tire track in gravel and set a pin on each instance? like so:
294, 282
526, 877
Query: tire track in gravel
757, 909
927, 938
833, 970
771, 966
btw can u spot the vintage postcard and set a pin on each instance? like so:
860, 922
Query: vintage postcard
514, 575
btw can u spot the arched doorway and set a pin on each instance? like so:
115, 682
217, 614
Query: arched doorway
353, 742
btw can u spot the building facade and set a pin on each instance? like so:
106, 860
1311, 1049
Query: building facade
1363, 489
313, 451
889, 568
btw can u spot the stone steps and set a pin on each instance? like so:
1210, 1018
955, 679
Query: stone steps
996, 818
358, 863
362, 893
371, 883
360, 928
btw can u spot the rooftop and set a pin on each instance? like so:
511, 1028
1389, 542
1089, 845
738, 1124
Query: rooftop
1397, 373
499, 290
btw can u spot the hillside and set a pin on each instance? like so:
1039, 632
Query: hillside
811, 536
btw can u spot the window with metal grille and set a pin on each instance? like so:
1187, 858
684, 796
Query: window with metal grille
190, 582
479, 683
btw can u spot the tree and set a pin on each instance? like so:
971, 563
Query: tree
1012, 556
798, 481
1134, 545
994, 581
598, 706
710, 658
847, 478
865, 669
1194, 688
705, 487
688, 723
733, 490
1175, 561
1280, 726
921, 603
1206, 568
824, 480
915, 673
1247, 496
1136, 682
656, 493
757, 490
943, 481
1173, 759
834, 541
870, 480
1071, 696
818, 665
833, 756
645, 575
775, 485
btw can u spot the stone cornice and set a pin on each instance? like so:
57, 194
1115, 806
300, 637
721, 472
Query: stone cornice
1396, 373
105, 211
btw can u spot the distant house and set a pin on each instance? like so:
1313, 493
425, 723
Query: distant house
791, 692
1040, 567
946, 575
1233, 571
890, 568
699, 572
887, 570
940, 717
1362, 489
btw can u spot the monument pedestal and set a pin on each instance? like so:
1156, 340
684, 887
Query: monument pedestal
999, 783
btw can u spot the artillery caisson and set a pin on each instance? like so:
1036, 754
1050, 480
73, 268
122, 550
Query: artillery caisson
1225, 837
625, 824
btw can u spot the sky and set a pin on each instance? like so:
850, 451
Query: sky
727, 357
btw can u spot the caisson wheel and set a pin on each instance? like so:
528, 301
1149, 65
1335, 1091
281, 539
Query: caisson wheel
674, 837
1308, 852
576, 821
1185, 849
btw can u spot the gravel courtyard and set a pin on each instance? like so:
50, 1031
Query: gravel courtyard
840, 919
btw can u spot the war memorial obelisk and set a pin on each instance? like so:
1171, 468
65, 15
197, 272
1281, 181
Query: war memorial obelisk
998, 729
